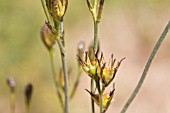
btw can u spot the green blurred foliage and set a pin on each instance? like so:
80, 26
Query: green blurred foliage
23, 55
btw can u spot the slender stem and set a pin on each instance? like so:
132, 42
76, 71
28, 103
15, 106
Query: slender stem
59, 27
54, 78
101, 99
45, 11
101, 102
92, 101
27, 108
76, 82
146, 68
66, 83
95, 50
96, 40
12, 102
52, 65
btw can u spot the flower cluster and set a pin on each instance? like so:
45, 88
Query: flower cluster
101, 72
57, 8
96, 67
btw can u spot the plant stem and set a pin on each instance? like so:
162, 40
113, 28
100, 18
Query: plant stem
27, 109
45, 11
76, 82
95, 50
96, 23
12, 102
59, 28
92, 101
54, 78
163, 35
101, 99
66, 82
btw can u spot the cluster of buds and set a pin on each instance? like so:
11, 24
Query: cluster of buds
57, 8
96, 67
96, 9
103, 74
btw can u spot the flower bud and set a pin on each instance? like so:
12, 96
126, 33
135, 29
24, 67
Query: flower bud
11, 84
100, 9
91, 52
107, 73
28, 93
81, 49
47, 37
57, 8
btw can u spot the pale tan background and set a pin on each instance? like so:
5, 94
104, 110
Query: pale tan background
128, 29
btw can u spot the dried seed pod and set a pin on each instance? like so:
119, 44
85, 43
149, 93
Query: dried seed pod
28, 93
47, 37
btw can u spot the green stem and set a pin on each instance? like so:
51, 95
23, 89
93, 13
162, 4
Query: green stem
66, 82
101, 99
27, 108
92, 101
96, 40
54, 78
163, 35
45, 11
76, 83
59, 27
95, 50
12, 102
94, 15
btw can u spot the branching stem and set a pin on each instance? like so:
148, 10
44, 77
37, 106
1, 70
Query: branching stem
59, 28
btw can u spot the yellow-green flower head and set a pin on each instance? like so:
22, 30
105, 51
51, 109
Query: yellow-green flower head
108, 73
90, 67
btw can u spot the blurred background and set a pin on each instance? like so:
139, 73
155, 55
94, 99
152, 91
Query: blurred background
129, 28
